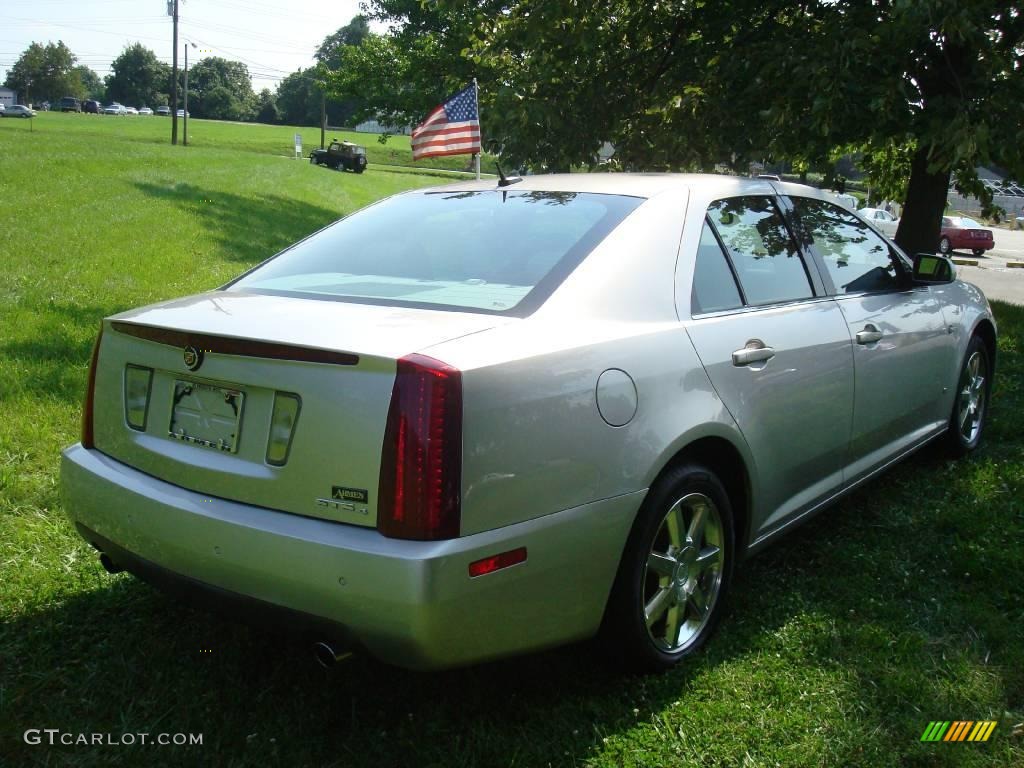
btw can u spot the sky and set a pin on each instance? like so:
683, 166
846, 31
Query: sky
271, 38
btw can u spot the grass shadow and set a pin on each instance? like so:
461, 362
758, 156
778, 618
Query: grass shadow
249, 229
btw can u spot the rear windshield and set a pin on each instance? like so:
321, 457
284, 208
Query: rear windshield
496, 251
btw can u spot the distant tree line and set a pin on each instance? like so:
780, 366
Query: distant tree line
219, 88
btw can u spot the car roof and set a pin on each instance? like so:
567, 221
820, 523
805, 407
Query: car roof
639, 184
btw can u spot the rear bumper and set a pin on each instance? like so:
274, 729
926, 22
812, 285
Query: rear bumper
409, 603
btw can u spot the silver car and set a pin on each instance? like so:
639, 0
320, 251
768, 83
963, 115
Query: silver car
483, 419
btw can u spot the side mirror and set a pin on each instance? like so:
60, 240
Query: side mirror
932, 269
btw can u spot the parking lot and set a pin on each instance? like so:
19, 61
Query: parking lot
992, 274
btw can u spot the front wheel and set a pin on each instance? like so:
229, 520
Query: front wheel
979, 252
945, 246
677, 565
970, 406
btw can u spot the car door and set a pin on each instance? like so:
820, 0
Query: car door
777, 351
903, 350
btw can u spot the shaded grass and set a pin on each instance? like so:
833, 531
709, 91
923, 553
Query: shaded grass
899, 606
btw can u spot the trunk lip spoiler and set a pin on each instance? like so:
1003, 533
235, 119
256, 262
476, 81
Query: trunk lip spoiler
229, 345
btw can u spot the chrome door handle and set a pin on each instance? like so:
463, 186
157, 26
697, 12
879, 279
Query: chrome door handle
869, 335
754, 351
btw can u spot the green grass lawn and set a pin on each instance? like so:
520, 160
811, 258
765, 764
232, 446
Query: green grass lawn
250, 137
900, 606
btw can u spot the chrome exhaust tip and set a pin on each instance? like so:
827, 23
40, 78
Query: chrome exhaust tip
327, 655
109, 565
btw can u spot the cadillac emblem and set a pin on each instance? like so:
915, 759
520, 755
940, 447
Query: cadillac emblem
193, 358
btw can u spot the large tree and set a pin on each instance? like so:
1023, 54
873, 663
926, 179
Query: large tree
221, 89
138, 77
298, 98
44, 72
933, 87
92, 86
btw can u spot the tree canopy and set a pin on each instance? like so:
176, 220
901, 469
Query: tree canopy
220, 89
926, 90
44, 72
138, 78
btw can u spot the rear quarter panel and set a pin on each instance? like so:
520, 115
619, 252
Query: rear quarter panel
534, 440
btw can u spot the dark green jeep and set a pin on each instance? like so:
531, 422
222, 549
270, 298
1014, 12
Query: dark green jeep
340, 155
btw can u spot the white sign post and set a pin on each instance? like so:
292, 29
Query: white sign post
298, 145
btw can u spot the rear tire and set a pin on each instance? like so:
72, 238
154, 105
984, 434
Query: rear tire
945, 246
970, 404
979, 252
669, 592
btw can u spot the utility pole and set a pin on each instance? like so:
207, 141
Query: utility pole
323, 116
184, 137
174, 76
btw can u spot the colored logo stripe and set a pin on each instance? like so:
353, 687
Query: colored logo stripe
958, 730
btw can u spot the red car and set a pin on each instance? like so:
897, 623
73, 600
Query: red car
961, 233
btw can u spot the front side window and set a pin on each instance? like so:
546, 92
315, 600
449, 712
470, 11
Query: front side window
762, 251
856, 258
494, 251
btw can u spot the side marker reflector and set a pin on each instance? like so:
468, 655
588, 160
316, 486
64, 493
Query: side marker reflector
497, 562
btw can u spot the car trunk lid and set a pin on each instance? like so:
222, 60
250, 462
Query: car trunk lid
222, 362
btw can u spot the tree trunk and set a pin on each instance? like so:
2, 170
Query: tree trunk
926, 202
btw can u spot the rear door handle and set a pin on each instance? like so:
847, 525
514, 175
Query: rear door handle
869, 335
754, 351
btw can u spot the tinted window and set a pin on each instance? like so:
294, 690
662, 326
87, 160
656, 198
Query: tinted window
856, 258
484, 251
714, 287
762, 251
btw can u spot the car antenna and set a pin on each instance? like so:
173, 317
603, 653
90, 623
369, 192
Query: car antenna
503, 180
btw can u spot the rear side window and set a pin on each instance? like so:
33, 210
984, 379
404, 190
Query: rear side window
714, 287
495, 251
856, 258
762, 251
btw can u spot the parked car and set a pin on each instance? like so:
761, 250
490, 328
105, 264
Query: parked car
181, 113
962, 233
92, 106
18, 110
131, 111
115, 109
145, 111
340, 155
70, 104
882, 219
163, 111
477, 420
2, 106
846, 200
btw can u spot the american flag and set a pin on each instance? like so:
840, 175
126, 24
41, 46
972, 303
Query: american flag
451, 129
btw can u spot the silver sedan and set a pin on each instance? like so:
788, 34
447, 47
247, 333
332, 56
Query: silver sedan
479, 420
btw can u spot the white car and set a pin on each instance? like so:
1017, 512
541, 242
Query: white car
577, 417
131, 111
115, 109
881, 219
181, 113
18, 110
145, 111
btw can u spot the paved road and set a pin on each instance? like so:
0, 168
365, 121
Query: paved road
992, 275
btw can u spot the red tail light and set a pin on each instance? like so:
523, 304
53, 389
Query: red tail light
90, 390
421, 465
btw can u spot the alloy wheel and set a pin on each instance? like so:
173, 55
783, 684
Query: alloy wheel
971, 397
683, 575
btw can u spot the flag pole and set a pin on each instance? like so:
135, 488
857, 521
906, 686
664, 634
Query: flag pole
476, 156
